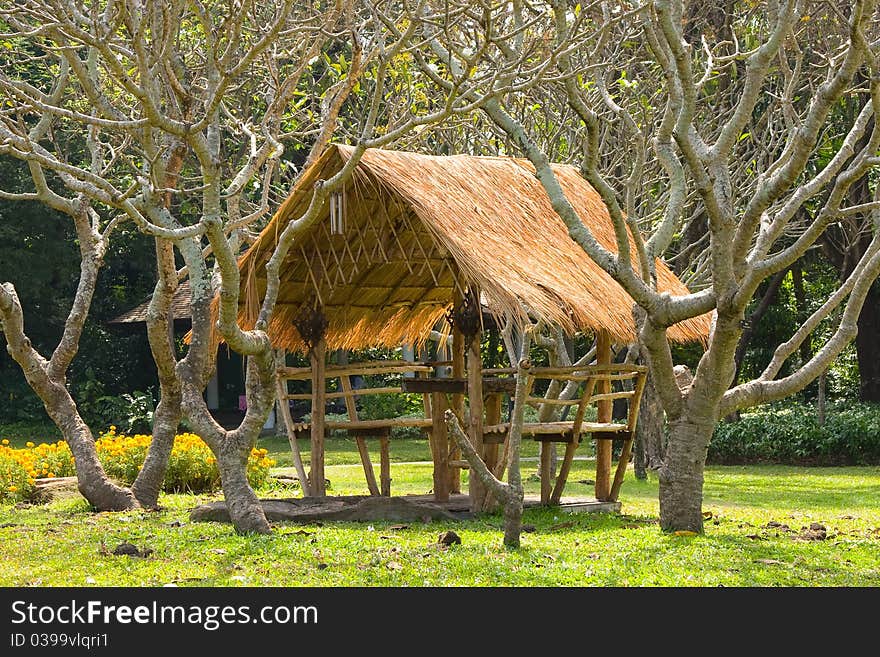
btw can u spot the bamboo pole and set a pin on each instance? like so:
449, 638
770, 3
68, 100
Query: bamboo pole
351, 409
440, 447
316, 355
603, 447
284, 408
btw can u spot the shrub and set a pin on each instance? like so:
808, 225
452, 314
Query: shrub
20, 468
16, 484
789, 432
191, 467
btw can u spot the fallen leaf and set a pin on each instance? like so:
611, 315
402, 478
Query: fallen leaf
91, 580
769, 561
322, 566
685, 532
393, 565
398, 527
217, 550
755, 537
529, 529
707, 515
563, 525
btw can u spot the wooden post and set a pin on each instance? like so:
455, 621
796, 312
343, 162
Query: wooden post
351, 409
493, 416
284, 408
385, 466
319, 392
603, 447
476, 489
546, 469
633, 417
440, 447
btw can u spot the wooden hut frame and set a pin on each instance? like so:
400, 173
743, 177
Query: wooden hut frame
411, 235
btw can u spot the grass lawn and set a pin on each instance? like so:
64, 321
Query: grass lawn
756, 536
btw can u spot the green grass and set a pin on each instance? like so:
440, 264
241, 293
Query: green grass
60, 543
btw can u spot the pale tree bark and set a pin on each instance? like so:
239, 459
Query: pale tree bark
510, 494
188, 108
754, 226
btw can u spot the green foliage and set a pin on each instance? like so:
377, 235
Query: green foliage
191, 468
789, 432
131, 412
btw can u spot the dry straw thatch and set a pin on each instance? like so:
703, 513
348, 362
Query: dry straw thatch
417, 228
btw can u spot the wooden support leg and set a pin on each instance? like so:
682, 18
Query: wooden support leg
440, 447
385, 466
620, 473
368, 465
564, 469
493, 416
281, 390
501, 466
546, 473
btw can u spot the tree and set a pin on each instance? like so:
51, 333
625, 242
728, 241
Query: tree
176, 117
638, 87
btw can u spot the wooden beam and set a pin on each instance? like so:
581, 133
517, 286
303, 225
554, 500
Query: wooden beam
440, 447
434, 385
351, 408
493, 416
633, 417
620, 473
284, 408
603, 447
317, 355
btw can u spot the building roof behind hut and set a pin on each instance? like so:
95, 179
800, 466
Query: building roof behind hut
180, 308
418, 227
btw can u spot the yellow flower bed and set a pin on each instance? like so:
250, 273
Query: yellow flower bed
20, 468
191, 466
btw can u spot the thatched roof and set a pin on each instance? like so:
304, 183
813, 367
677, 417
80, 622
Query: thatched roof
180, 308
416, 227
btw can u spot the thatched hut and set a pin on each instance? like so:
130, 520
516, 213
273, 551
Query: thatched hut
415, 229
410, 239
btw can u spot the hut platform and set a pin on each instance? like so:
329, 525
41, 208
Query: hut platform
372, 508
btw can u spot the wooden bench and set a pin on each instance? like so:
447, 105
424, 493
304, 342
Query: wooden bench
358, 429
596, 383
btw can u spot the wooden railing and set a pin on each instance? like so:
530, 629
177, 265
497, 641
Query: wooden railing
359, 429
596, 384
